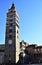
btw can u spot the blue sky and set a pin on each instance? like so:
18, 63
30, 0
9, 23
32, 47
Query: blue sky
30, 12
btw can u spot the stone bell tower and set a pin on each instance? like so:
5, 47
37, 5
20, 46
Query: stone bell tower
12, 45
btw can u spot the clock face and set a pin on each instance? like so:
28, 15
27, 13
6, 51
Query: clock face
10, 41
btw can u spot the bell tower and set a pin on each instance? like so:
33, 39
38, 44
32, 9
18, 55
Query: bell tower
12, 45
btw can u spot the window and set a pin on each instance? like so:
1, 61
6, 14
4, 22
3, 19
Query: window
10, 30
17, 25
11, 20
11, 24
17, 37
17, 17
11, 15
7, 24
17, 20
10, 36
11, 11
17, 31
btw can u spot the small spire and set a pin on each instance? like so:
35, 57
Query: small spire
12, 6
